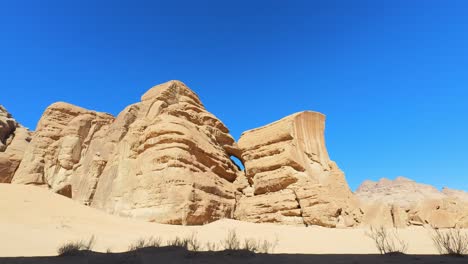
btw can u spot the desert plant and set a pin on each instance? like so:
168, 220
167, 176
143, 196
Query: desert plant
387, 242
75, 248
140, 243
178, 242
260, 246
210, 246
250, 245
267, 246
154, 242
193, 244
231, 242
450, 241
144, 243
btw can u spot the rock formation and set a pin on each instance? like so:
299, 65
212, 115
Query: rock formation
291, 177
14, 139
164, 159
404, 202
62, 137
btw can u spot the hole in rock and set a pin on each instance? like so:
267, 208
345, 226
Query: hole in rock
238, 162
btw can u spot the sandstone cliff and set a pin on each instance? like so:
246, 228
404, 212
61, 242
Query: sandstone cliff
403, 202
291, 177
14, 139
164, 159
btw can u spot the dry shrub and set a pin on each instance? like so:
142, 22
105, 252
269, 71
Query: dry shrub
250, 245
193, 244
266, 246
451, 241
75, 248
387, 242
177, 242
154, 242
260, 246
231, 242
210, 246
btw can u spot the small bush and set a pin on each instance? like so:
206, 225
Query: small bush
259, 246
387, 242
231, 242
250, 245
210, 246
193, 244
75, 248
145, 243
267, 247
178, 242
451, 241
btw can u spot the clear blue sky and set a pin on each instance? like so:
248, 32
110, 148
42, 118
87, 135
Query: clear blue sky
391, 76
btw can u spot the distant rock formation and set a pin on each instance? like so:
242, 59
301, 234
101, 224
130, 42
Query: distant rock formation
403, 202
14, 139
291, 178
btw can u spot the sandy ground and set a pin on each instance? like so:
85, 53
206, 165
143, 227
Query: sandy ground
35, 222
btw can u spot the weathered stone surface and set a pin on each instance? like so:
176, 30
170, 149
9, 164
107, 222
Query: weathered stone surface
172, 164
164, 159
14, 139
62, 138
292, 177
406, 202
167, 159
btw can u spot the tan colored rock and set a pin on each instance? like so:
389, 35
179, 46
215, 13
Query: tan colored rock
456, 194
410, 203
402, 192
293, 179
164, 159
14, 139
172, 164
62, 137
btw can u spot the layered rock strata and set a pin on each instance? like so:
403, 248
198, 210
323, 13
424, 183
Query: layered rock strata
164, 159
291, 177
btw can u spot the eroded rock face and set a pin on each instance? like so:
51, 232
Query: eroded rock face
62, 138
14, 139
171, 161
292, 179
403, 202
164, 159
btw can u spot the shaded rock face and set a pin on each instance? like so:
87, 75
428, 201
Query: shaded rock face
291, 177
403, 202
164, 159
14, 139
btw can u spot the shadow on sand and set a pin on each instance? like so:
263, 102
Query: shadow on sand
181, 255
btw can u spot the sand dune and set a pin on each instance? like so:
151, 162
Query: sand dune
35, 222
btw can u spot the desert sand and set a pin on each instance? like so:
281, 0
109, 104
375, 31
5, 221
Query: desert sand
35, 222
